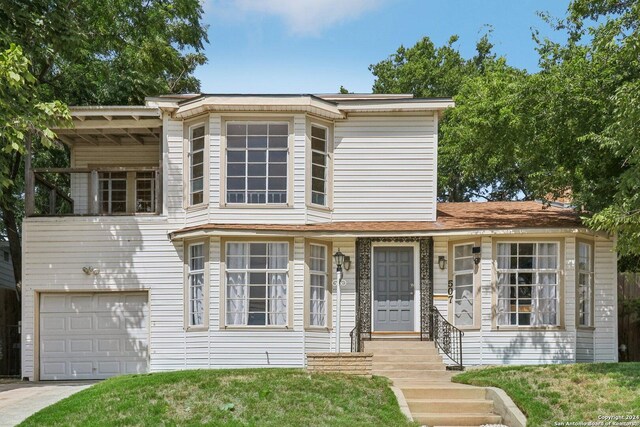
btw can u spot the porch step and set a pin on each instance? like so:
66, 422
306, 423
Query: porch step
403, 344
438, 406
408, 358
456, 419
395, 351
415, 374
429, 366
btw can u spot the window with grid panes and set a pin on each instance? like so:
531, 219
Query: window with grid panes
463, 270
319, 165
113, 192
196, 284
584, 277
528, 284
256, 280
196, 164
318, 285
257, 162
145, 192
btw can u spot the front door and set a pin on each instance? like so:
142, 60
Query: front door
393, 281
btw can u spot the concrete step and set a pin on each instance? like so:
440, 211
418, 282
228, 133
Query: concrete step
456, 419
419, 374
442, 392
394, 351
399, 344
380, 366
408, 358
437, 406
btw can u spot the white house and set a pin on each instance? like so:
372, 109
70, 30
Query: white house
198, 231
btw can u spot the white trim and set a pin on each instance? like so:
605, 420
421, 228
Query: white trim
416, 280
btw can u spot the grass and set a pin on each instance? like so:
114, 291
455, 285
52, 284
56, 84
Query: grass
560, 393
248, 397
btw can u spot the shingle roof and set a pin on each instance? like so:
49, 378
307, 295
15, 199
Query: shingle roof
450, 216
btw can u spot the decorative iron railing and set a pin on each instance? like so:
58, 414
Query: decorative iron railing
355, 340
447, 337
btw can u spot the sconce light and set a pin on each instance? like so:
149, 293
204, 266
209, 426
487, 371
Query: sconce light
89, 270
476, 254
347, 262
339, 259
442, 262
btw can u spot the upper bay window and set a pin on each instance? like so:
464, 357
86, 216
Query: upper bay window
528, 276
319, 163
257, 162
196, 164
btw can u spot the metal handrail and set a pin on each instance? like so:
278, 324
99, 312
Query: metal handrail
447, 337
355, 340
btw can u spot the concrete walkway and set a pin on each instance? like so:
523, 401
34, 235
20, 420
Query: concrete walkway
20, 400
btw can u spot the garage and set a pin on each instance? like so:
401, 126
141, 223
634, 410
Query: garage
86, 336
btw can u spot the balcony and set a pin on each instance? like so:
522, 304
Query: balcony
95, 191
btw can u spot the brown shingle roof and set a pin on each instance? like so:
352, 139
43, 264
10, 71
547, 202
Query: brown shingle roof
450, 216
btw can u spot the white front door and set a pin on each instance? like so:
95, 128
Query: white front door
93, 335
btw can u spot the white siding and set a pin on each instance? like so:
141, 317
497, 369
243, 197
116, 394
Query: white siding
384, 168
606, 307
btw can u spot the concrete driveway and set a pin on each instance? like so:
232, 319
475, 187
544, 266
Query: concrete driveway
19, 400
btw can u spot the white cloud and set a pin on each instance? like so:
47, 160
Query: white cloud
309, 17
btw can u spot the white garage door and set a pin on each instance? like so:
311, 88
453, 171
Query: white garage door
93, 335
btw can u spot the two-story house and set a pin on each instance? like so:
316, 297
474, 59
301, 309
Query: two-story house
199, 231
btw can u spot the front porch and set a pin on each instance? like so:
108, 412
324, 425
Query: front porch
394, 296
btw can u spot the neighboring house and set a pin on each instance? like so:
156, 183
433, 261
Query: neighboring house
7, 281
200, 231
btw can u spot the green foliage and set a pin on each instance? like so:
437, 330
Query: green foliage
571, 129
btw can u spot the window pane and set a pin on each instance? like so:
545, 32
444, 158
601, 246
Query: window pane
257, 156
278, 142
234, 156
236, 129
318, 159
236, 169
236, 141
317, 185
278, 129
257, 129
257, 142
318, 132
319, 145
257, 169
277, 183
197, 132
279, 169
278, 156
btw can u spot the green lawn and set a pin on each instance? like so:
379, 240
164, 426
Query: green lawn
577, 392
249, 397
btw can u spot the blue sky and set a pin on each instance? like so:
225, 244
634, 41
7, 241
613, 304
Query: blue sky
314, 46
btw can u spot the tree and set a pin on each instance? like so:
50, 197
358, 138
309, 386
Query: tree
87, 52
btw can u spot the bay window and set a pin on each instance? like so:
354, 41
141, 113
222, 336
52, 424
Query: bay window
463, 288
196, 284
528, 276
196, 164
257, 162
319, 163
319, 277
584, 278
256, 280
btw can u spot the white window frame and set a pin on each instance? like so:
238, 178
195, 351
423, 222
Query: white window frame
454, 275
534, 286
325, 154
152, 189
267, 149
109, 179
325, 275
247, 271
585, 309
189, 273
191, 165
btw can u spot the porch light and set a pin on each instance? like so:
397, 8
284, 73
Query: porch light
89, 270
476, 254
442, 262
339, 258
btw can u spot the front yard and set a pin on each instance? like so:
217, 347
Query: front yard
560, 393
249, 397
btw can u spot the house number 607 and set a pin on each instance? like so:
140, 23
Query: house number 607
450, 291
